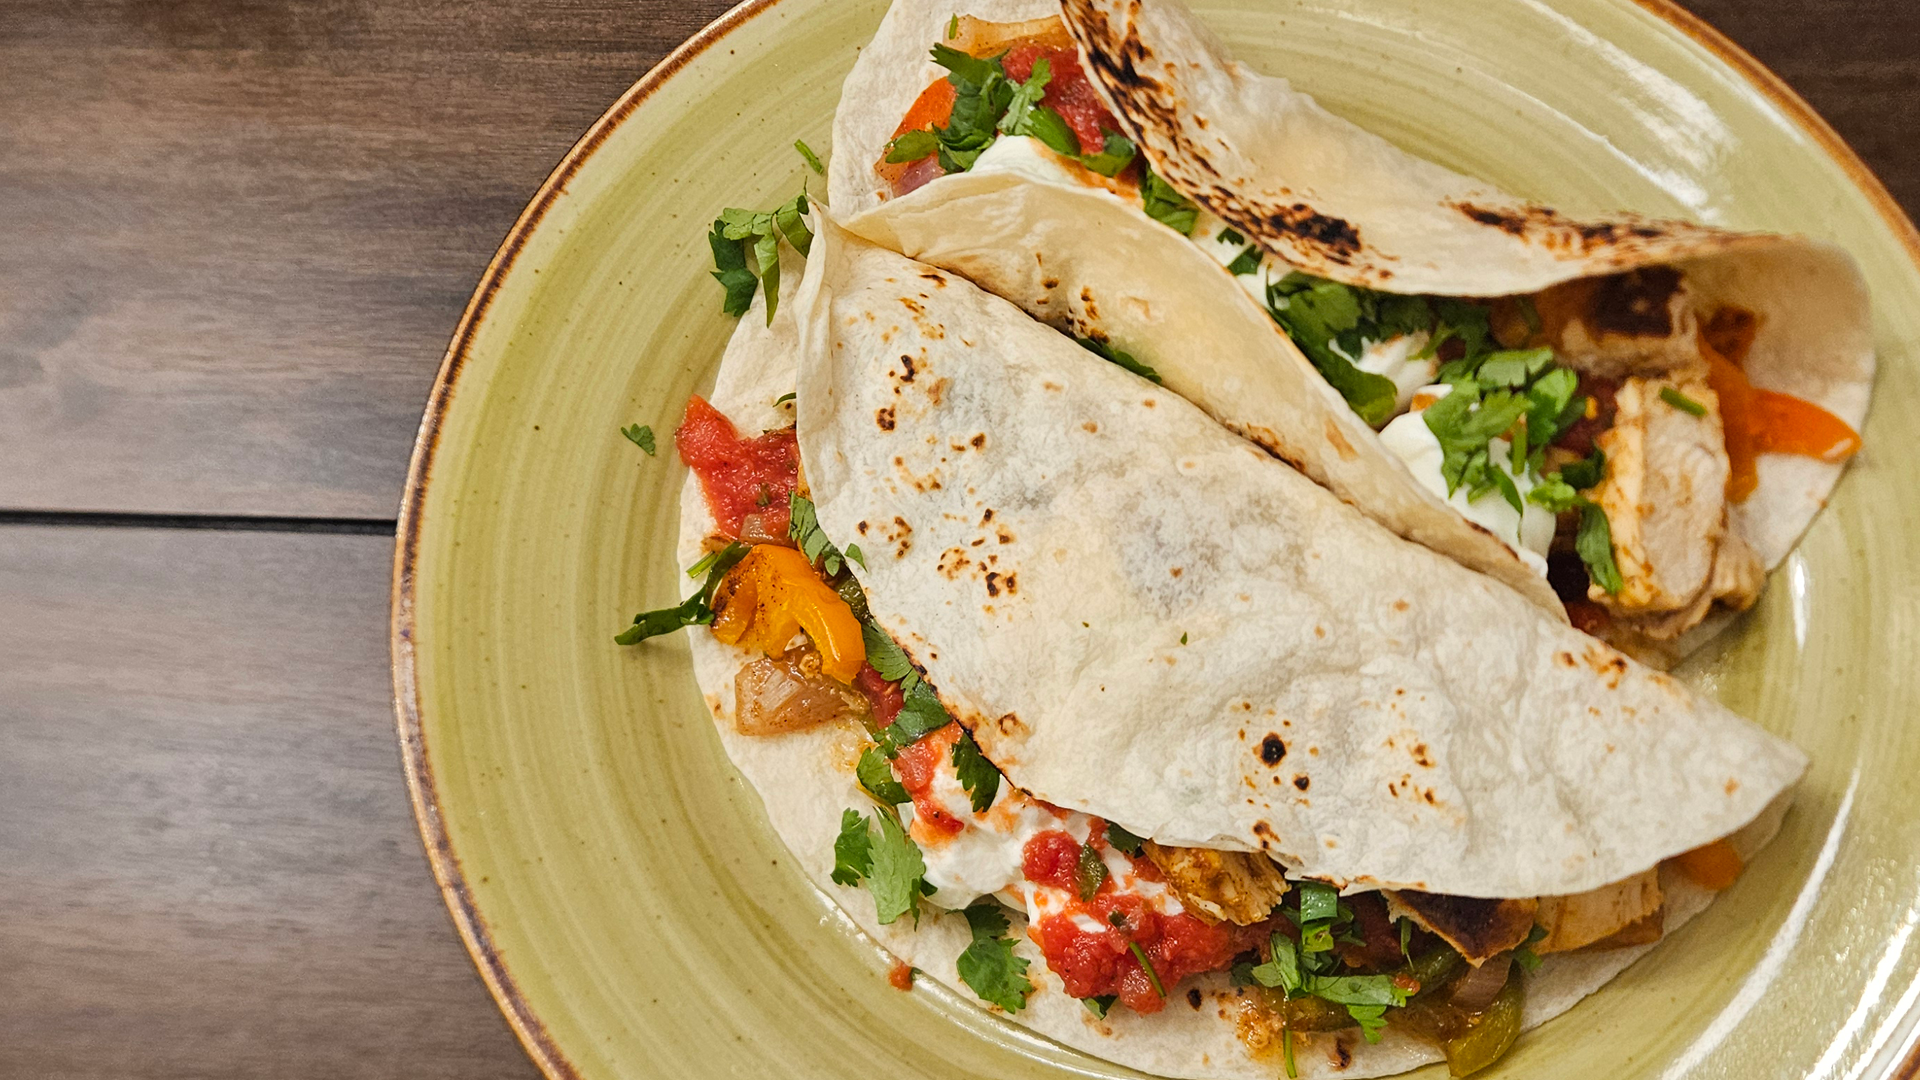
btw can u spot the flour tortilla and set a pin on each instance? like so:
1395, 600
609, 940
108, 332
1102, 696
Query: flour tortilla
1089, 261
805, 780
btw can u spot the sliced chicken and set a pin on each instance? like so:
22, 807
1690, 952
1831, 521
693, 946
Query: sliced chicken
1665, 500
1618, 914
1238, 887
1477, 929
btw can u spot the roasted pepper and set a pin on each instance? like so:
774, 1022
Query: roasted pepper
1711, 866
773, 594
1493, 1031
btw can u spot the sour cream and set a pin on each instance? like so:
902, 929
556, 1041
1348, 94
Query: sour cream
1529, 534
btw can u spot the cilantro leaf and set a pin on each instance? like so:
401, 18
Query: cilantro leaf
853, 552
1089, 872
1586, 473
1371, 1018
1529, 960
887, 658
1555, 494
1247, 262
920, 713
1166, 205
966, 68
1356, 989
1106, 351
730, 270
1051, 129
1682, 402
989, 966
1406, 938
978, 776
852, 849
1230, 235
897, 871
953, 27
812, 159
1283, 970
1594, 543
784, 398
1098, 1006
912, 146
1120, 838
695, 610
642, 436
1315, 313
1116, 153
876, 776
803, 528
1318, 901
1514, 368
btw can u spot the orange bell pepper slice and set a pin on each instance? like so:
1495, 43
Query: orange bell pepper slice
774, 593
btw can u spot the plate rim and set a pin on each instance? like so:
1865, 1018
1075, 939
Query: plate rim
422, 792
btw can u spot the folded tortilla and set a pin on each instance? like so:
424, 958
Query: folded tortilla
1337, 202
1154, 600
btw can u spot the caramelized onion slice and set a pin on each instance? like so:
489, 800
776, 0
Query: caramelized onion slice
774, 697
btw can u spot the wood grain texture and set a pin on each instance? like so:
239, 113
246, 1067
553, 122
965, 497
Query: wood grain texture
208, 867
241, 231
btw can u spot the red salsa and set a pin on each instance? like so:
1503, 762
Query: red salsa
747, 481
916, 767
1099, 962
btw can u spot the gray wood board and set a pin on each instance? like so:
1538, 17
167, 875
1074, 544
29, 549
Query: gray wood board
208, 865
240, 231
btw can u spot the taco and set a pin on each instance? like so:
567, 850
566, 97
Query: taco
1626, 419
1082, 705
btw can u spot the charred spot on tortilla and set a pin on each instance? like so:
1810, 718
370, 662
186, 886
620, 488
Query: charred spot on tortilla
1477, 928
906, 362
939, 280
1339, 441
1272, 749
1302, 782
1194, 998
884, 418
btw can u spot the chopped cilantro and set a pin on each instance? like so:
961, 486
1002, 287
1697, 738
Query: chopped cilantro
920, 713
888, 658
1147, 965
854, 553
1166, 205
803, 528
897, 873
1117, 153
1594, 543
982, 97
1325, 319
1515, 369
1528, 314
1098, 1006
736, 231
1282, 972
852, 849
1318, 901
876, 776
988, 966
1183, 637
1406, 938
1107, 352
1682, 402
912, 146
1089, 872
1356, 989
966, 68
1247, 262
1230, 235
1125, 841
953, 27
1371, 1018
695, 610
812, 159
1586, 473
978, 776
1026, 116
784, 398
641, 436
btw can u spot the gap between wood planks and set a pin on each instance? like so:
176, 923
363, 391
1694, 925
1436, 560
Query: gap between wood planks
98, 519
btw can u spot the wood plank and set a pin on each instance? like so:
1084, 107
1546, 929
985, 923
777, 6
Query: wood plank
240, 231
209, 868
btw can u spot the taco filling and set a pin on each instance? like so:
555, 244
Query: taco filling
1121, 921
1599, 428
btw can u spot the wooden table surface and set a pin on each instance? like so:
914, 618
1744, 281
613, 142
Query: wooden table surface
238, 235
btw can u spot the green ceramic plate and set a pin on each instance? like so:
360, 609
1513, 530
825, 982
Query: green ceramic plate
615, 880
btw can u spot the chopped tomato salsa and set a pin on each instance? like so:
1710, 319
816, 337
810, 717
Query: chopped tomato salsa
916, 767
1068, 92
746, 481
1101, 961
883, 697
